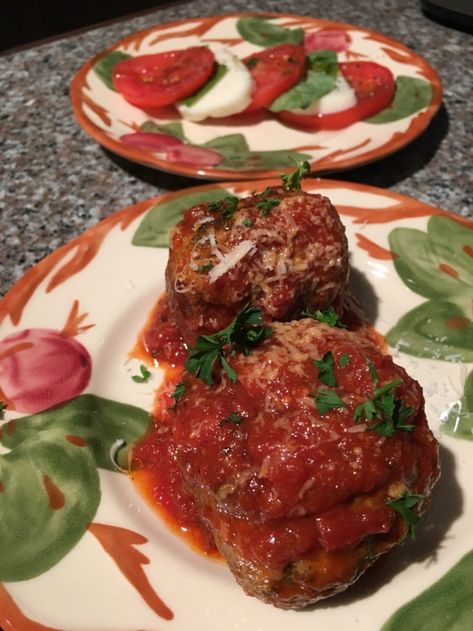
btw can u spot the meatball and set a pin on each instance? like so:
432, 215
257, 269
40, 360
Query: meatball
282, 251
297, 467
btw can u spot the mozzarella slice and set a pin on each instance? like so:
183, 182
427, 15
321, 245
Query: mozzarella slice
230, 95
342, 97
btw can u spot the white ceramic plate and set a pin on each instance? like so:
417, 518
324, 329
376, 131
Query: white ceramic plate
99, 577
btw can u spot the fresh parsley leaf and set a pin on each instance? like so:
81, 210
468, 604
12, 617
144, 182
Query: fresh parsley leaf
320, 80
233, 419
240, 336
404, 505
214, 206
247, 223
292, 181
267, 204
231, 204
384, 406
373, 372
329, 317
206, 267
145, 375
326, 400
326, 373
178, 392
344, 360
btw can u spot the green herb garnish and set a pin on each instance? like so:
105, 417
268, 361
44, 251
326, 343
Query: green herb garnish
233, 419
206, 267
373, 372
344, 360
145, 375
326, 373
404, 505
178, 393
391, 412
292, 181
251, 63
267, 203
240, 336
231, 204
247, 223
326, 400
329, 316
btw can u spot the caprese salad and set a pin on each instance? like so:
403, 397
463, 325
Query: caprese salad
300, 85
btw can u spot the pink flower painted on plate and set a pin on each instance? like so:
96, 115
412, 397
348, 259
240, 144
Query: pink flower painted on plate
327, 39
174, 150
40, 368
151, 141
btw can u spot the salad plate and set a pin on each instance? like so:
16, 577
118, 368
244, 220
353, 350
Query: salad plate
265, 142
81, 549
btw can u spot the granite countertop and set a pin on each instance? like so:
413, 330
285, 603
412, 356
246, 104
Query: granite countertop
57, 181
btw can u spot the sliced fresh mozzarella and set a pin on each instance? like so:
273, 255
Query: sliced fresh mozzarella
229, 95
340, 98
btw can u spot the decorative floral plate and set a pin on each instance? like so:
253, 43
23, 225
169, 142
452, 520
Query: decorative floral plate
80, 548
258, 145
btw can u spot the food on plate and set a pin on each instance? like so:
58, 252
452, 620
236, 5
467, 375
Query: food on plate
227, 92
361, 89
309, 89
282, 250
310, 463
293, 445
274, 71
163, 78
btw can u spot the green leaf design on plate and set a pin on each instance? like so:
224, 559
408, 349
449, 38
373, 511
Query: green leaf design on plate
319, 80
153, 231
237, 155
100, 422
459, 421
261, 31
171, 129
437, 264
430, 331
104, 67
411, 95
50, 492
446, 605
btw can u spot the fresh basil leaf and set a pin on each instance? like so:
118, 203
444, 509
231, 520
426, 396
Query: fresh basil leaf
97, 421
171, 129
219, 72
412, 94
320, 80
103, 68
261, 31
50, 493
459, 422
153, 231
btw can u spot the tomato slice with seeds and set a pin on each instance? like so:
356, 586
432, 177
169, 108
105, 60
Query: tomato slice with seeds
274, 71
164, 78
374, 88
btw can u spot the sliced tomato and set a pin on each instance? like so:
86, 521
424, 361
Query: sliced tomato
274, 71
164, 78
374, 88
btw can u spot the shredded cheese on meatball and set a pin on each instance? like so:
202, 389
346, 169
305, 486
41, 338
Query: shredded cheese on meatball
231, 259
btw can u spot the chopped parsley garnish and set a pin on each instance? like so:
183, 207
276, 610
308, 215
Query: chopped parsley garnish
292, 181
326, 373
247, 223
267, 203
206, 267
326, 400
227, 205
373, 372
329, 317
233, 419
344, 360
404, 505
391, 412
240, 336
145, 375
178, 393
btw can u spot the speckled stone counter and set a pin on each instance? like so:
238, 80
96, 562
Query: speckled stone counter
57, 181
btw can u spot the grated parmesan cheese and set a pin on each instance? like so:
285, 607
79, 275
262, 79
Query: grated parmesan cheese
231, 259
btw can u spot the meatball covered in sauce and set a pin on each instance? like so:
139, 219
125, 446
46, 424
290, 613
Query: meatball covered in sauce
282, 251
308, 467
